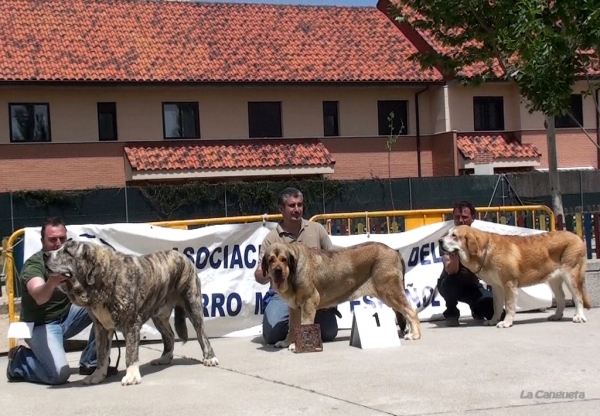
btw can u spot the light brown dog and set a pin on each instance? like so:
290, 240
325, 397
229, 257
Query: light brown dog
507, 262
308, 279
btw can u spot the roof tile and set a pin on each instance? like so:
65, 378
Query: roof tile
149, 41
501, 146
228, 156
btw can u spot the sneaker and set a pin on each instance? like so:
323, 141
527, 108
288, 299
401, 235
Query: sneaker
452, 322
86, 371
11, 356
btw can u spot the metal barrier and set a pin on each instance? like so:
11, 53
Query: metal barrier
587, 226
515, 215
184, 224
531, 216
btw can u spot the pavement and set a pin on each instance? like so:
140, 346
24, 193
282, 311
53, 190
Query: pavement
471, 369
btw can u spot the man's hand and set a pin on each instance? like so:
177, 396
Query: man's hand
451, 263
258, 276
42, 291
55, 280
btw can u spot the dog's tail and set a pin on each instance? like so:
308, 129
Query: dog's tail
180, 325
403, 263
401, 319
426, 301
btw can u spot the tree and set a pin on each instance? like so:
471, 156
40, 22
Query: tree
544, 46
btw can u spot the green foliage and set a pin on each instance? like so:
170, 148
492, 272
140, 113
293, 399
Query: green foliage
170, 198
541, 45
249, 198
47, 198
393, 137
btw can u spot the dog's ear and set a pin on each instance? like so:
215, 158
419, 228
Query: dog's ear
86, 254
85, 251
291, 262
90, 279
472, 244
264, 265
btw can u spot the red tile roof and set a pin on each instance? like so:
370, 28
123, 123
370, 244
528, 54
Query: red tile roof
137, 41
228, 156
500, 146
435, 45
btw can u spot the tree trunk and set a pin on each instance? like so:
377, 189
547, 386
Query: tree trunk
557, 205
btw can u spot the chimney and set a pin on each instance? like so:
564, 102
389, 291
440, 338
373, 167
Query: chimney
483, 158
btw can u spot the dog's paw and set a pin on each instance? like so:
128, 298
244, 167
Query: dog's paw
162, 360
411, 337
132, 376
579, 319
95, 378
504, 324
555, 317
282, 344
210, 362
490, 322
292, 347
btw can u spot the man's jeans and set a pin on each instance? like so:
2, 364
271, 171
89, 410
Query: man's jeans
46, 361
276, 321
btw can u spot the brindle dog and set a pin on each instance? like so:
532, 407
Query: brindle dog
122, 292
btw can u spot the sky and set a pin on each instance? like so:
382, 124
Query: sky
363, 3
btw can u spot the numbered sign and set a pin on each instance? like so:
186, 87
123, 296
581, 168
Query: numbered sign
374, 328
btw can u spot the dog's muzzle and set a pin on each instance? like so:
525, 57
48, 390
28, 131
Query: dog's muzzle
443, 249
278, 275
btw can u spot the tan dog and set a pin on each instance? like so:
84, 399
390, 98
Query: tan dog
308, 279
507, 262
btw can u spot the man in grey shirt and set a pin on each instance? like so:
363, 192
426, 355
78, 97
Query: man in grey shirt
293, 229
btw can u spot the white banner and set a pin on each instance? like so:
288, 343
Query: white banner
226, 257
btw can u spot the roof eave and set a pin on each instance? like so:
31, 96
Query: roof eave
106, 83
147, 175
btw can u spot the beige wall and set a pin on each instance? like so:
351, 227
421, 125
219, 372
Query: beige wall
461, 104
224, 114
535, 121
516, 112
223, 110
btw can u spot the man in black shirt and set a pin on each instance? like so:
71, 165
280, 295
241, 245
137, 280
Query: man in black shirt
459, 284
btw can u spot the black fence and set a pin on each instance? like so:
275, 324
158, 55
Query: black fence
581, 191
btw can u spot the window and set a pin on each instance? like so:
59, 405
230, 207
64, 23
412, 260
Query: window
392, 116
181, 120
330, 118
488, 113
107, 121
576, 109
29, 122
264, 119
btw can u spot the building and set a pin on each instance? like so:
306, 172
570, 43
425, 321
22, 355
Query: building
109, 92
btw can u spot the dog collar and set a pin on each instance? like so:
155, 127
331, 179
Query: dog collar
485, 253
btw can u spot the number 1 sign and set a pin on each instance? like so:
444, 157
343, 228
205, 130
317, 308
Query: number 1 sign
374, 328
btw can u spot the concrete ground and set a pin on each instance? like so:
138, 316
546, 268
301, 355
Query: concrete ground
471, 369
